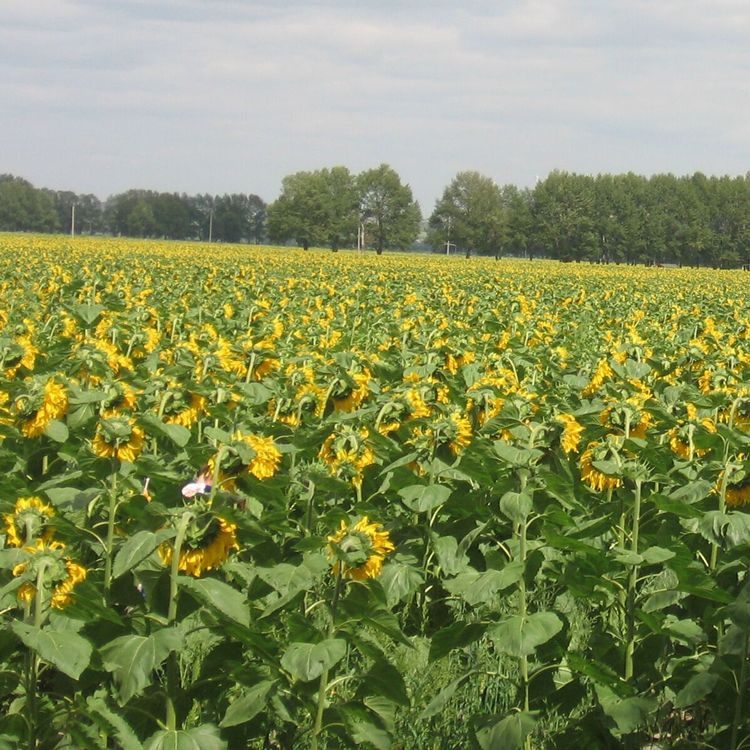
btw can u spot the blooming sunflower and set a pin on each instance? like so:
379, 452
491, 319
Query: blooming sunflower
29, 516
60, 573
206, 548
265, 462
595, 478
118, 436
347, 453
571, 434
358, 550
40, 405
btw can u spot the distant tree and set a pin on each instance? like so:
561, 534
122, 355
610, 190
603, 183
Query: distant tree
24, 208
238, 218
141, 221
388, 208
315, 208
171, 215
471, 215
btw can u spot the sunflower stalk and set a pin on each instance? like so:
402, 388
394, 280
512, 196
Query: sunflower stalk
111, 513
173, 667
32, 701
323, 686
632, 581
737, 720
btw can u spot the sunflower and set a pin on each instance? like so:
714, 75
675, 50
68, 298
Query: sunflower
267, 457
571, 435
59, 572
40, 405
29, 516
118, 436
207, 550
596, 479
460, 432
602, 373
358, 550
347, 453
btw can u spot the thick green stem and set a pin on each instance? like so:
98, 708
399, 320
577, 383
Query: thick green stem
740, 695
111, 513
173, 667
323, 686
33, 664
632, 580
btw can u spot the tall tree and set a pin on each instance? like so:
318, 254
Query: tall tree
388, 208
471, 215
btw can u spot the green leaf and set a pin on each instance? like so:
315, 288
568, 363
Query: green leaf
132, 659
439, 702
451, 560
66, 650
629, 714
516, 506
520, 635
508, 733
178, 434
421, 498
306, 661
697, 688
482, 588
248, 706
219, 596
139, 547
457, 635
205, 737
113, 723
88, 314
57, 431
656, 555
384, 679
399, 581
515, 456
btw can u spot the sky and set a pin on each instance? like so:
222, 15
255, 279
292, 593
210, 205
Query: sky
223, 96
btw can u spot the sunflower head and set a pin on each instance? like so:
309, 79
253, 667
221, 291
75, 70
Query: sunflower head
600, 466
118, 436
359, 549
27, 522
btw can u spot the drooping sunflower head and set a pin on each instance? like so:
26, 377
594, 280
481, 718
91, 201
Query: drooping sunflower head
27, 521
358, 550
118, 436
40, 403
736, 480
259, 454
571, 434
347, 452
599, 466
47, 561
207, 545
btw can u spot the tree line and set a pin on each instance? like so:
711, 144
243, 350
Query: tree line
694, 219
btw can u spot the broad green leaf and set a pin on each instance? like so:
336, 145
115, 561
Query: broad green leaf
516, 506
57, 431
306, 661
219, 596
88, 314
457, 635
133, 658
421, 498
482, 588
439, 702
520, 635
178, 434
384, 679
508, 733
697, 688
656, 555
248, 706
134, 551
451, 560
629, 714
113, 723
516, 456
399, 581
66, 650
205, 737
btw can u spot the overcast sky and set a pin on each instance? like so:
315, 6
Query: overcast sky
227, 96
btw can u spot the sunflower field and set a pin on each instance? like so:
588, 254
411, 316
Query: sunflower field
268, 498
